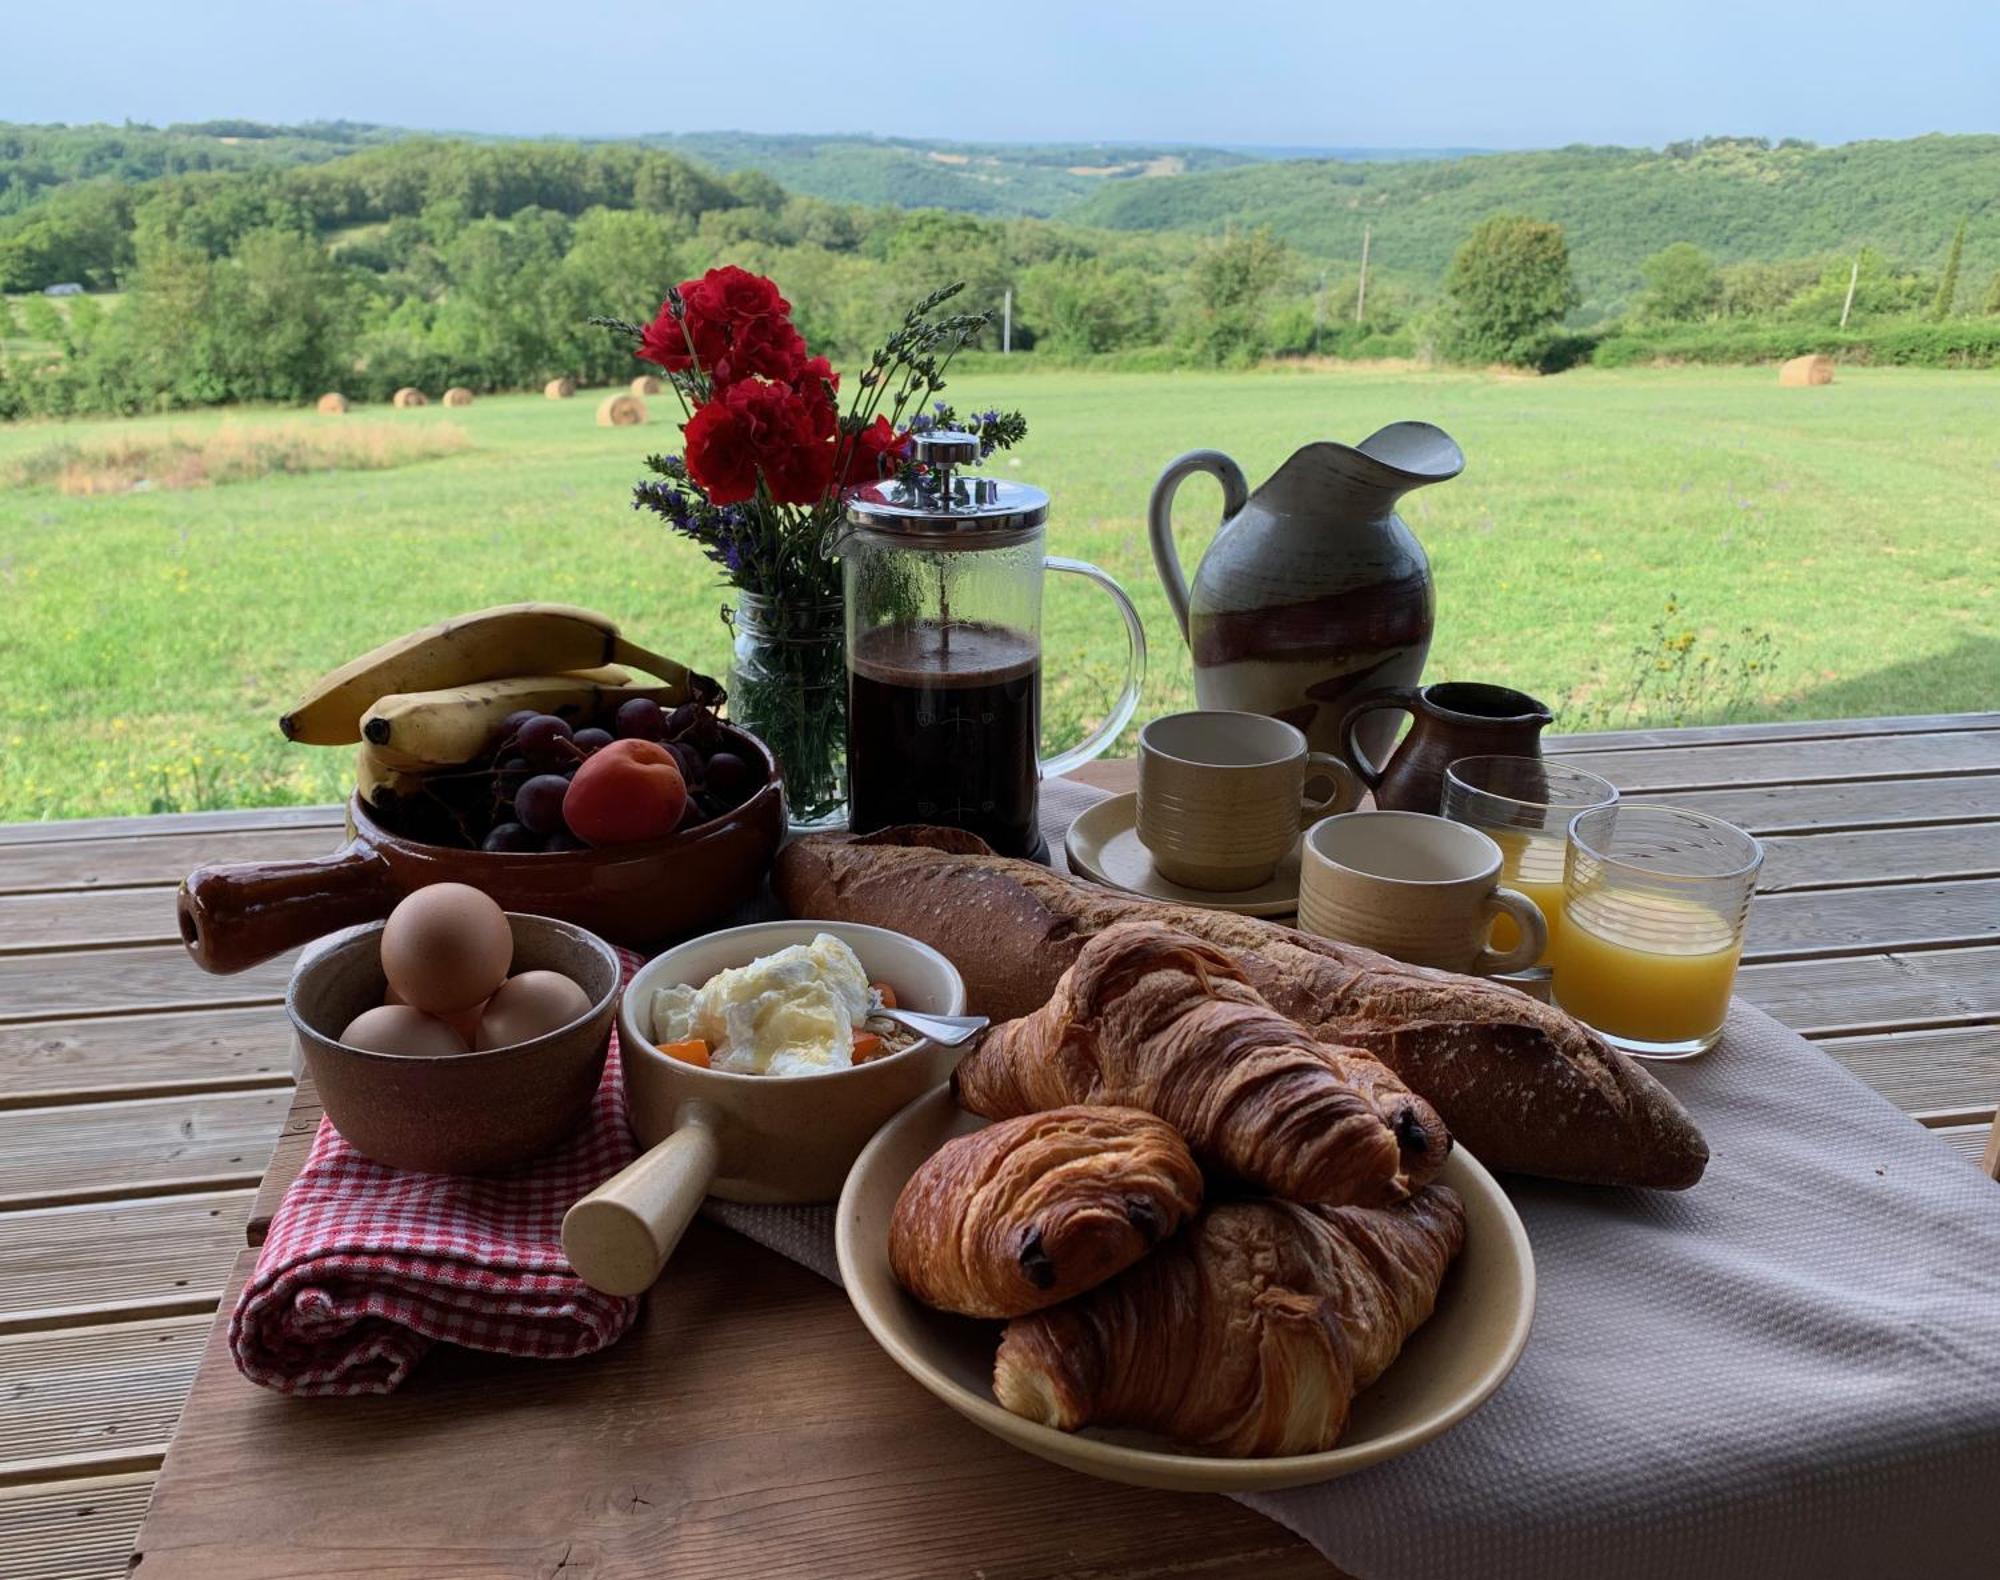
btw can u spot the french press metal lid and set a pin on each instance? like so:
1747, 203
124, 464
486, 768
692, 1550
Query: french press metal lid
941, 503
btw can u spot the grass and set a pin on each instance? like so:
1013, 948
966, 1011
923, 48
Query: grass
120, 462
149, 640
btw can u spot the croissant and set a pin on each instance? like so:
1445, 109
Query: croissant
1149, 1017
1249, 1335
1033, 1210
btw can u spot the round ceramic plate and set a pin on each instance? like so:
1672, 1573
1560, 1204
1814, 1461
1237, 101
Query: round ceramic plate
1103, 845
1451, 1365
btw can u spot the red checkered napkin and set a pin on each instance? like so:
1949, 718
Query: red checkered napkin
366, 1267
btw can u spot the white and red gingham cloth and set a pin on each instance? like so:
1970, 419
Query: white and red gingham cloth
366, 1267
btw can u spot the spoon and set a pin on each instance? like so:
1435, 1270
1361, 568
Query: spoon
946, 1030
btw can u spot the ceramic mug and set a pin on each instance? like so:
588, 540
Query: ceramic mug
1222, 796
1414, 886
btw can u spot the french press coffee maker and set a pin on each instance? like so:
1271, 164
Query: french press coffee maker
943, 573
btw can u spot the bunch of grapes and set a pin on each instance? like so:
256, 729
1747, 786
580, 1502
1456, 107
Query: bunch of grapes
539, 753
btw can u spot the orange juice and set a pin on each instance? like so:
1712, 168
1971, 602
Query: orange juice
1644, 967
1535, 867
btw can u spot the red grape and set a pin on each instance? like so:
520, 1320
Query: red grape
728, 774
591, 740
542, 739
510, 837
640, 718
514, 721
538, 803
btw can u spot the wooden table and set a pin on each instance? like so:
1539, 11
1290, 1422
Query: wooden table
139, 1101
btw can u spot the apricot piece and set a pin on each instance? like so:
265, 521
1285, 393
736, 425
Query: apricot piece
625, 792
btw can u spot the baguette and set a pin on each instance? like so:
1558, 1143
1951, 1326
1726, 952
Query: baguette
1522, 1086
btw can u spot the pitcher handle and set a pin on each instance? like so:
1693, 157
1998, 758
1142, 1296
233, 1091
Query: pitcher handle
1400, 697
1160, 517
1095, 743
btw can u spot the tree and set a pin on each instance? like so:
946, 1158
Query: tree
1230, 282
1682, 284
1947, 293
1993, 294
1508, 285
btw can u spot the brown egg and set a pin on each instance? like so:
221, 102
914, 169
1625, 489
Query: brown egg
397, 1028
446, 947
528, 1006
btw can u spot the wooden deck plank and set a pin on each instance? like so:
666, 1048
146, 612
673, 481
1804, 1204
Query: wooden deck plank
1968, 1141
85, 1401
1798, 862
322, 815
72, 1530
1890, 803
288, 1156
1782, 730
123, 1150
111, 1056
149, 858
86, 919
1873, 920
835, 1463
132, 979
1795, 762
1867, 994
70, 1266
1927, 1071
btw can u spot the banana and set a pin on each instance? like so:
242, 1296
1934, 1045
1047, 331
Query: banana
380, 783
456, 724
514, 639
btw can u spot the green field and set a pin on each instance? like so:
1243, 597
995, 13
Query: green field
149, 640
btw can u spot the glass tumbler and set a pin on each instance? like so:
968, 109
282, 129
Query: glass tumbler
1524, 804
1654, 903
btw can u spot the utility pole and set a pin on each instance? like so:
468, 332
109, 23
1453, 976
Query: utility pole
1007, 322
1853, 276
1361, 291
1319, 311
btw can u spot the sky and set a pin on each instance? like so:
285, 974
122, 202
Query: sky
1430, 74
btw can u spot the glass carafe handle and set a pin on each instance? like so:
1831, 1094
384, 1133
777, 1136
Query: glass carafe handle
1095, 743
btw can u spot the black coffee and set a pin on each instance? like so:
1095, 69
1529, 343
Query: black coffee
943, 723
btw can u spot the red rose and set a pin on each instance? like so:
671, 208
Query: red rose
666, 338
819, 385
761, 348
871, 451
753, 427
736, 295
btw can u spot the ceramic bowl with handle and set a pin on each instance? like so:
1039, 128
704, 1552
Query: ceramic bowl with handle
640, 895
463, 1113
750, 1138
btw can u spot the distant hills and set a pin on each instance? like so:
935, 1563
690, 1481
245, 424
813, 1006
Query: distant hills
1033, 179
1736, 198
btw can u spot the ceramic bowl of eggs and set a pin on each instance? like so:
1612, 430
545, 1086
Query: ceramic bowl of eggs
454, 1037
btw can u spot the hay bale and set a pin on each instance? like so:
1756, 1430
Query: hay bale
333, 403
407, 396
646, 384
621, 411
458, 395
559, 389
1804, 372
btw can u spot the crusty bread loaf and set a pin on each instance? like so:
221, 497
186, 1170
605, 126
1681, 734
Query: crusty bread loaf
1522, 1086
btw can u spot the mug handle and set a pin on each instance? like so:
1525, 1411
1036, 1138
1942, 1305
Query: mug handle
1098, 740
1346, 787
1533, 940
1403, 698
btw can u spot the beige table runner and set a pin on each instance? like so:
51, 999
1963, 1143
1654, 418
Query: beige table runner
1792, 1369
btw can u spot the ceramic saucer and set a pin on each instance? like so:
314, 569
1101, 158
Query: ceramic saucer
1103, 845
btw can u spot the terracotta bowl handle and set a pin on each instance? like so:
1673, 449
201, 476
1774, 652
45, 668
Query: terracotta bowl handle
237, 916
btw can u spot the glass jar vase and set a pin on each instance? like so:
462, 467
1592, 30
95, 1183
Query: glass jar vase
788, 687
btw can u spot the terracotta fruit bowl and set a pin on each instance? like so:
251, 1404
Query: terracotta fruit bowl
641, 896
463, 1113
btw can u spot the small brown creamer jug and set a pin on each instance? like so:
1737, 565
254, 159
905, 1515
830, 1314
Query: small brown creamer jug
1450, 720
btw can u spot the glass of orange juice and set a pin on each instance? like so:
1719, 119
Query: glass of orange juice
1654, 902
1525, 805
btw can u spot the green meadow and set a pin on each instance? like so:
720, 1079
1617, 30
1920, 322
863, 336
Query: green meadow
1645, 546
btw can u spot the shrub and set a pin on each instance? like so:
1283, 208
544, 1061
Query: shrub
1507, 286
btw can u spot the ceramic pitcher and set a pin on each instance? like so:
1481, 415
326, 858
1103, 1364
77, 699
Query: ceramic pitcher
1457, 718
1314, 591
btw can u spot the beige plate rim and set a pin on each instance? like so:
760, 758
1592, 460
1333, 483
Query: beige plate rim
1102, 821
1161, 1468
